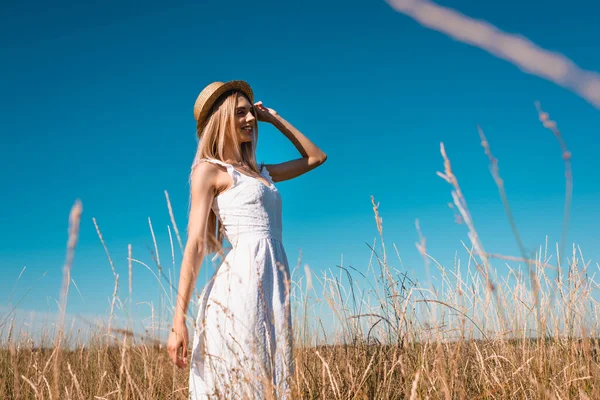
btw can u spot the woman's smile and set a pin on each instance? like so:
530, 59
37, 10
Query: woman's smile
248, 129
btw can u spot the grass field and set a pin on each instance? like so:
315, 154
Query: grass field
530, 334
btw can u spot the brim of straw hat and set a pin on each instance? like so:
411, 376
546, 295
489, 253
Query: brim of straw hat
211, 93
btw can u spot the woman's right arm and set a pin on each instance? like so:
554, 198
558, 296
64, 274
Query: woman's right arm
203, 187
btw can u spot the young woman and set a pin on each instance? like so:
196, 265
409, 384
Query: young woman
242, 344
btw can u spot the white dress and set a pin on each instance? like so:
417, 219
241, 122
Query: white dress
242, 344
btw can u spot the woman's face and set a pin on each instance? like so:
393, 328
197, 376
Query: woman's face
245, 120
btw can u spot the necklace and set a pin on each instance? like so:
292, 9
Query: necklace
244, 167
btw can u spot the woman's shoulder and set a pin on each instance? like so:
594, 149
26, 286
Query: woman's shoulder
205, 172
210, 175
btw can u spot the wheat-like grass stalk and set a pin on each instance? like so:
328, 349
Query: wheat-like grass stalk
74, 222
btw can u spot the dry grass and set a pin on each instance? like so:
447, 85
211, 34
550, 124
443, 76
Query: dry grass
372, 335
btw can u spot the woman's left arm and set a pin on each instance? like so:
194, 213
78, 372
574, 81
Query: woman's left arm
312, 156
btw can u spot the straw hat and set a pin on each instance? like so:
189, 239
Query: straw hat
211, 93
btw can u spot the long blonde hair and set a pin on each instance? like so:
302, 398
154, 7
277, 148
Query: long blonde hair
219, 131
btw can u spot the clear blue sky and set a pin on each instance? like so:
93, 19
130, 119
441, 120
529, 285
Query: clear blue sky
97, 99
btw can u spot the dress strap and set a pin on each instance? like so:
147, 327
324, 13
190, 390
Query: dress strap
230, 169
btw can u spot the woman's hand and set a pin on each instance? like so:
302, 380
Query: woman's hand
178, 339
263, 113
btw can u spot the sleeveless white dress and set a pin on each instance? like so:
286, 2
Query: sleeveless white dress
242, 347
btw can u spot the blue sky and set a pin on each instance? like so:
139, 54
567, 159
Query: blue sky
97, 104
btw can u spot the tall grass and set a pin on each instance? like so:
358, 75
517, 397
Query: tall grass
369, 334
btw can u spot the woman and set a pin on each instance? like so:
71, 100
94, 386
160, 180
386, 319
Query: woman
243, 336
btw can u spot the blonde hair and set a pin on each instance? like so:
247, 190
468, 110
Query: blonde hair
220, 131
